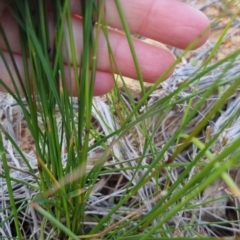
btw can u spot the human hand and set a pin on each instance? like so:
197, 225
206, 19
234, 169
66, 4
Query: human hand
171, 22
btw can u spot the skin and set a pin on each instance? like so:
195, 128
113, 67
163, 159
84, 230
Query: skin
170, 22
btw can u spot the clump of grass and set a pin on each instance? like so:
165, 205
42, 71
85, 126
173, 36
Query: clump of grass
115, 168
46, 97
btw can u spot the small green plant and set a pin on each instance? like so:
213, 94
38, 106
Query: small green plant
46, 96
107, 171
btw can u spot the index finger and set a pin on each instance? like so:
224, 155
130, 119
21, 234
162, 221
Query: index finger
171, 22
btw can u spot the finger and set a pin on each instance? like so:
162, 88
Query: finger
153, 61
169, 21
103, 82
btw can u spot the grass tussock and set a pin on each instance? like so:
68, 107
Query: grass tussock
114, 167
